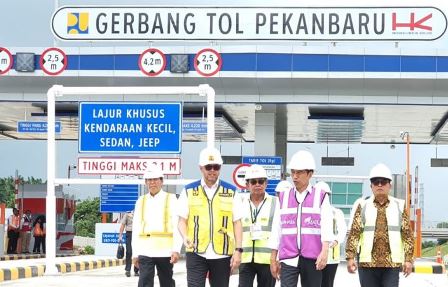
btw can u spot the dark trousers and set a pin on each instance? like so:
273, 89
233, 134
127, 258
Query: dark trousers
309, 276
249, 270
13, 237
39, 241
198, 266
147, 272
129, 252
379, 277
328, 275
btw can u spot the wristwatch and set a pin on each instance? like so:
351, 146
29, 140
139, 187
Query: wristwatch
240, 250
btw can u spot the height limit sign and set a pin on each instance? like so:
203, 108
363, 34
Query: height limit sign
152, 62
53, 61
207, 62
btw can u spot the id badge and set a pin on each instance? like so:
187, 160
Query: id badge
255, 232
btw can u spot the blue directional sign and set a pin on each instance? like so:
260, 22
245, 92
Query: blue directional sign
273, 167
263, 160
135, 127
194, 127
109, 237
118, 197
36, 127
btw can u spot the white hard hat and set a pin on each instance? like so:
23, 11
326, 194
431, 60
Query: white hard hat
380, 170
302, 160
283, 186
255, 171
322, 185
210, 156
153, 172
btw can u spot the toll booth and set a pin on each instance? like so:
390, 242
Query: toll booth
33, 197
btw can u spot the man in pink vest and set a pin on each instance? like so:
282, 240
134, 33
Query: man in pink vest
303, 229
25, 231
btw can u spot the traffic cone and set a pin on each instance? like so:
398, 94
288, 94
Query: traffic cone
439, 256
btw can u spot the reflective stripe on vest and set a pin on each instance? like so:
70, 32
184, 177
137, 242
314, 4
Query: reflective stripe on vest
309, 215
211, 220
158, 238
394, 217
257, 250
334, 253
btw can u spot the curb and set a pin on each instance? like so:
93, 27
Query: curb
15, 273
29, 256
429, 269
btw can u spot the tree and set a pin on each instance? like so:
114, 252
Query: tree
87, 214
7, 187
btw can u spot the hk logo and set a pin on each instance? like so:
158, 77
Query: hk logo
412, 24
78, 23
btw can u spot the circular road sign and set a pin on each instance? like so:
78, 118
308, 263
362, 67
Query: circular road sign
5, 60
152, 62
238, 175
207, 62
53, 61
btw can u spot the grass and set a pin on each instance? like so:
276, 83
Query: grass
432, 251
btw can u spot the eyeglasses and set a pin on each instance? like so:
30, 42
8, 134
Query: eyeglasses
209, 167
379, 180
260, 181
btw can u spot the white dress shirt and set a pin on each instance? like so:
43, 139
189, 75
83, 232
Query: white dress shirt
154, 219
326, 225
237, 213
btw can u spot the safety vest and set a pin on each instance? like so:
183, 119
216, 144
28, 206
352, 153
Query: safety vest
257, 251
394, 213
38, 230
162, 239
334, 253
15, 221
211, 220
309, 226
26, 225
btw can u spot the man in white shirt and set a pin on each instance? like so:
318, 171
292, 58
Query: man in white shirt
302, 230
339, 232
210, 224
156, 242
25, 231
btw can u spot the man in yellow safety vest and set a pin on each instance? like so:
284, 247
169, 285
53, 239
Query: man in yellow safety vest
258, 213
381, 228
210, 224
156, 242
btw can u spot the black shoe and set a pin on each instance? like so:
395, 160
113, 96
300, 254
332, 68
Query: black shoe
128, 273
136, 274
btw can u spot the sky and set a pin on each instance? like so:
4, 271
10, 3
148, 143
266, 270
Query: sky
29, 158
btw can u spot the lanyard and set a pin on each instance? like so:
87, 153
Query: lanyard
254, 215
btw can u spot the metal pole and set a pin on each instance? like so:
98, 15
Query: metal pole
50, 258
408, 176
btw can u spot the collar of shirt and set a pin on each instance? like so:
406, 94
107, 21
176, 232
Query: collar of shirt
300, 196
378, 204
158, 194
210, 191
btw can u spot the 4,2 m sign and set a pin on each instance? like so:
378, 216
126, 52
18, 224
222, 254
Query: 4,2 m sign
130, 127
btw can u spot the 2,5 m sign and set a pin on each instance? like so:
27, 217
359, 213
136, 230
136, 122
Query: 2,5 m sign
130, 127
